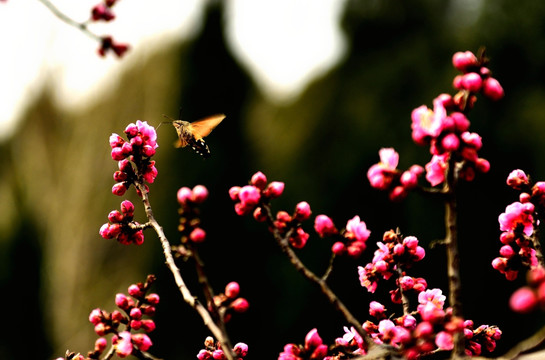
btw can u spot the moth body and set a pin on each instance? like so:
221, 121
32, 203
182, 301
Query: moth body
187, 137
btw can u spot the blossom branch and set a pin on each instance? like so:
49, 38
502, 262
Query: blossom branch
99, 12
187, 296
282, 241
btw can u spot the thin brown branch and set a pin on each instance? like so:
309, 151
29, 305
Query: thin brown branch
404, 298
453, 256
220, 335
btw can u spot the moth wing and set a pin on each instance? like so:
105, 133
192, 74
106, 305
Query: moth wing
203, 127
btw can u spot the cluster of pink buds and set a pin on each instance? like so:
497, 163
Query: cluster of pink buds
385, 176
517, 226
253, 197
476, 77
395, 251
313, 349
445, 130
134, 156
122, 227
429, 329
249, 198
103, 12
108, 44
189, 226
230, 301
532, 296
484, 335
212, 350
351, 241
133, 308
285, 222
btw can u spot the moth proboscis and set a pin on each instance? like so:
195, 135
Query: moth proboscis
193, 133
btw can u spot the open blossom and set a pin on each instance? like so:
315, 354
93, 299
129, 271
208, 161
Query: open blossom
433, 296
381, 175
518, 216
354, 238
436, 169
427, 123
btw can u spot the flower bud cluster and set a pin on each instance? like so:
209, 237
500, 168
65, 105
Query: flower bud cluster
122, 227
249, 198
212, 350
253, 197
385, 176
134, 156
189, 225
427, 330
532, 296
133, 307
229, 301
351, 241
517, 225
314, 348
484, 335
103, 11
446, 130
476, 77
394, 252
107, 44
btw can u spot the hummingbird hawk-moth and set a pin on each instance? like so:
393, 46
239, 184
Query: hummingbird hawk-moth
193, 133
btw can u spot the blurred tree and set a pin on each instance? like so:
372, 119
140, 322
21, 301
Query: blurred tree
57, 174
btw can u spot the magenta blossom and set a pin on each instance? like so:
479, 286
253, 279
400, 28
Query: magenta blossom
436, 169
518, 216
381, 175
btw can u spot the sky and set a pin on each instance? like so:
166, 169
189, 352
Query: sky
38, 49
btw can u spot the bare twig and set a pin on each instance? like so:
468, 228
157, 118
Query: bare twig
62, 16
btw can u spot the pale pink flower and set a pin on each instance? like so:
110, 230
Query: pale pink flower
381, 175
357, 228
434, 296
436, 168
518, 216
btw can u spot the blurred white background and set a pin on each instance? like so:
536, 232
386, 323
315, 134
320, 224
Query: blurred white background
38, 48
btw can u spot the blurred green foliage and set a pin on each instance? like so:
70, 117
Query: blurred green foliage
55, 184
